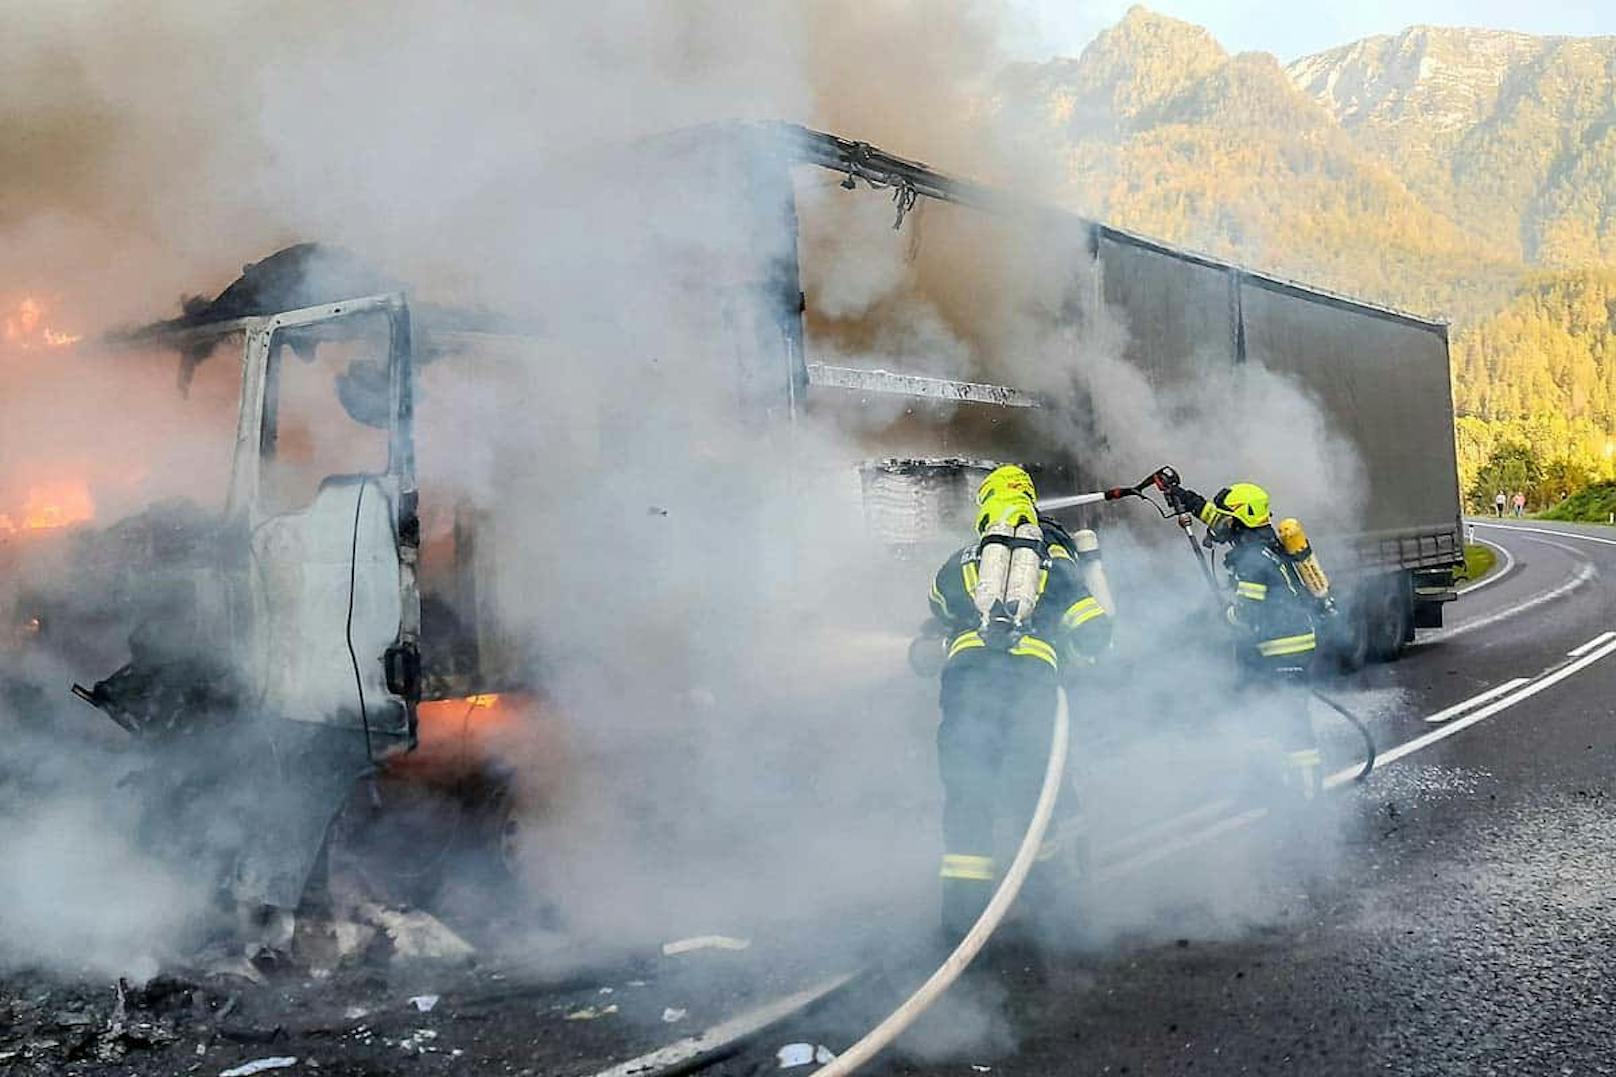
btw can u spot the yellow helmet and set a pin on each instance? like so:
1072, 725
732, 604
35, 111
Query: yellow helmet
1011, 509
1006, 479
1244, 503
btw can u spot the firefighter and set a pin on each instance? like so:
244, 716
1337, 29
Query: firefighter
1274, 610
1016, 614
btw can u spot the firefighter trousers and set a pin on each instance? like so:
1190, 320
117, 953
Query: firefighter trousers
998, 711
1285, 692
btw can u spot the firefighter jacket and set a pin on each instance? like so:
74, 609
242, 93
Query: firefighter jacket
1271, 604
1068, 626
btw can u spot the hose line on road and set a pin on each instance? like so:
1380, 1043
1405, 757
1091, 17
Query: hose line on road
1357, 723
878, 1038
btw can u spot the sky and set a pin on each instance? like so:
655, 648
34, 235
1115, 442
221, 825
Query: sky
1290, 29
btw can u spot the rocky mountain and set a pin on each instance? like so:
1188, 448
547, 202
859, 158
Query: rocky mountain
1426, 169
1159, 129
1506, 128
1461, 173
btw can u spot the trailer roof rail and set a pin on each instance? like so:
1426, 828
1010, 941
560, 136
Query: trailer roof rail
880, 169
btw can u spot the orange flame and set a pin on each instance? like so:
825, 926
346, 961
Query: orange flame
57, 504
26, 329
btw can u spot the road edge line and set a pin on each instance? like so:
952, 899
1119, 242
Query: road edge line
1584, 575
1549, 531
1538, 684
1491, 577
1598, 641
1476, 700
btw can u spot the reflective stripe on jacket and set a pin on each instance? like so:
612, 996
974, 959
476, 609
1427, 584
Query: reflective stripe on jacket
1271, 604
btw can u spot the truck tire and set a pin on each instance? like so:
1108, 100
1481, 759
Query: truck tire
1349, 645
1390, 619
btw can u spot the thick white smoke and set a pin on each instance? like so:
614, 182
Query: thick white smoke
150, 155
719, 640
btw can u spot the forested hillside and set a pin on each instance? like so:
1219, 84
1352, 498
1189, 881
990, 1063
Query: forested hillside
1465, 174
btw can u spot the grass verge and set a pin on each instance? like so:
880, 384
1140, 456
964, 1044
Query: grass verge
1479, 560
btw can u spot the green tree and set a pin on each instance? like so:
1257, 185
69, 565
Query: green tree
1512, 466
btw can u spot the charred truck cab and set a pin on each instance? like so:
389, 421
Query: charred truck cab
274, 648
311, 605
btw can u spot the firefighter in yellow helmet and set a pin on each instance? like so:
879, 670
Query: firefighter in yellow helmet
1274, 612
1017, 614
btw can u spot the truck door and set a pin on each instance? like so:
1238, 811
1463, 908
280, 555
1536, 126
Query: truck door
323, 479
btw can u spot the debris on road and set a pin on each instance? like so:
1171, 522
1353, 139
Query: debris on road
424, 1003
419, 1042
262, 1065
590, 1013
418, 936
672, 1016
803, 1054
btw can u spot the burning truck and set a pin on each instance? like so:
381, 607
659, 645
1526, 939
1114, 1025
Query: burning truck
265, 657
276, 653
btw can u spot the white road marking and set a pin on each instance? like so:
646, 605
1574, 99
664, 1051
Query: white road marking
1475, 701
1496, 699
1584, 574
1492, 577
1582, 649
1551, 531
1548, 680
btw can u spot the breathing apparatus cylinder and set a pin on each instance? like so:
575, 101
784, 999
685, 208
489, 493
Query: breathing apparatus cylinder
1088, 560
1009, 564
992, 568
1308, 569
1026, 568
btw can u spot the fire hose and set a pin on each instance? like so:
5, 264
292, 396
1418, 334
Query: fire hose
882, 1035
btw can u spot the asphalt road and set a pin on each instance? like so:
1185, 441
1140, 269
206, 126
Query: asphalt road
1453, 914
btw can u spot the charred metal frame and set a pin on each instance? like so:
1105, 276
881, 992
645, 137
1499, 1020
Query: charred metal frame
860, 160
255, 427
919, 385
255, 446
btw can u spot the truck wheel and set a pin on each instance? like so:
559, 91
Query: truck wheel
1350, 646
1389, 619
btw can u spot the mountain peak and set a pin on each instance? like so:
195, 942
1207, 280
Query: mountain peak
1131, 68
1141, 27
1445, 78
